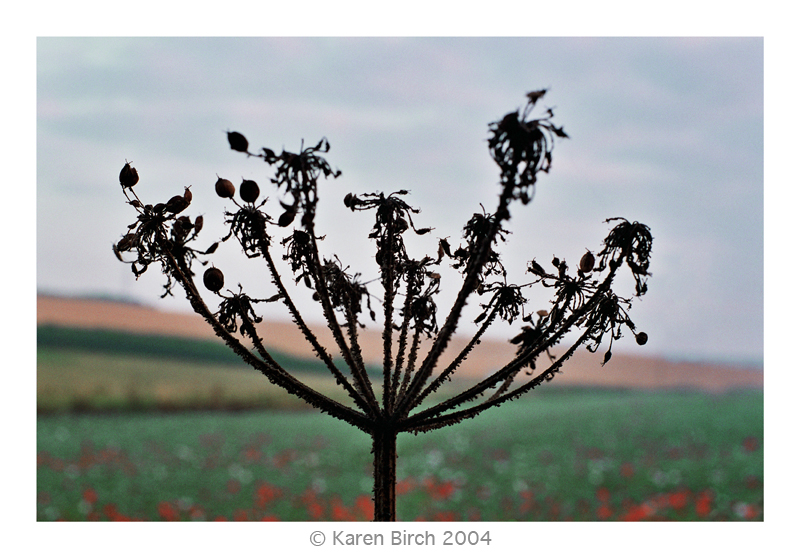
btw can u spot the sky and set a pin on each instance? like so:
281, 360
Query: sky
665, 131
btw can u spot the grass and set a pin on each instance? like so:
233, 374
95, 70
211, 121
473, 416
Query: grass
558, 454
75, 380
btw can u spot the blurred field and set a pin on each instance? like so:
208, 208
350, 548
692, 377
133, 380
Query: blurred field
70, 380
647, 440
100, 370
562, 454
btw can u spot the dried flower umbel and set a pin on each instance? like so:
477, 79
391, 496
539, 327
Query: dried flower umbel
583, 302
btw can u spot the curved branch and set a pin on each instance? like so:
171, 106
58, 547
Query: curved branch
412, 361
360, 374
520, 360
309, 335
416, 425
333, 323
457, 361
402, 343
449, 327
273, 372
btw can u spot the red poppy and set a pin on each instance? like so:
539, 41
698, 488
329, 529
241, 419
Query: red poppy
339, 511
315, 510
90, 496
443, 491
168, 511
265, 493
404, 486
365, 507
703, 503
110, 511
637, 513
604, 512
678, 500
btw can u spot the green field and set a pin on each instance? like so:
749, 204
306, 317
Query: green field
558, 454
99, 370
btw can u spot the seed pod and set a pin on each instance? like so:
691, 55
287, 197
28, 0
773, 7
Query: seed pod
238, 142
198, 223
176, 204
286, 218
224, 188
213, 279
187, 194
128, 176
249, 191
641, 338
587, 262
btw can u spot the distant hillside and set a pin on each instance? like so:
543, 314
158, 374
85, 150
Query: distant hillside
115, 342
624, 370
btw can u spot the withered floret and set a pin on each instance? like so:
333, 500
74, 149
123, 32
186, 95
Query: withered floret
176, 204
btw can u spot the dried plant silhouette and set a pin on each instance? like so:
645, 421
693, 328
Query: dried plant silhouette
583, 300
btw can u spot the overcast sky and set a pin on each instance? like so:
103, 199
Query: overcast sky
668, 132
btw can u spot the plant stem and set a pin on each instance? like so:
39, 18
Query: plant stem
384, 450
